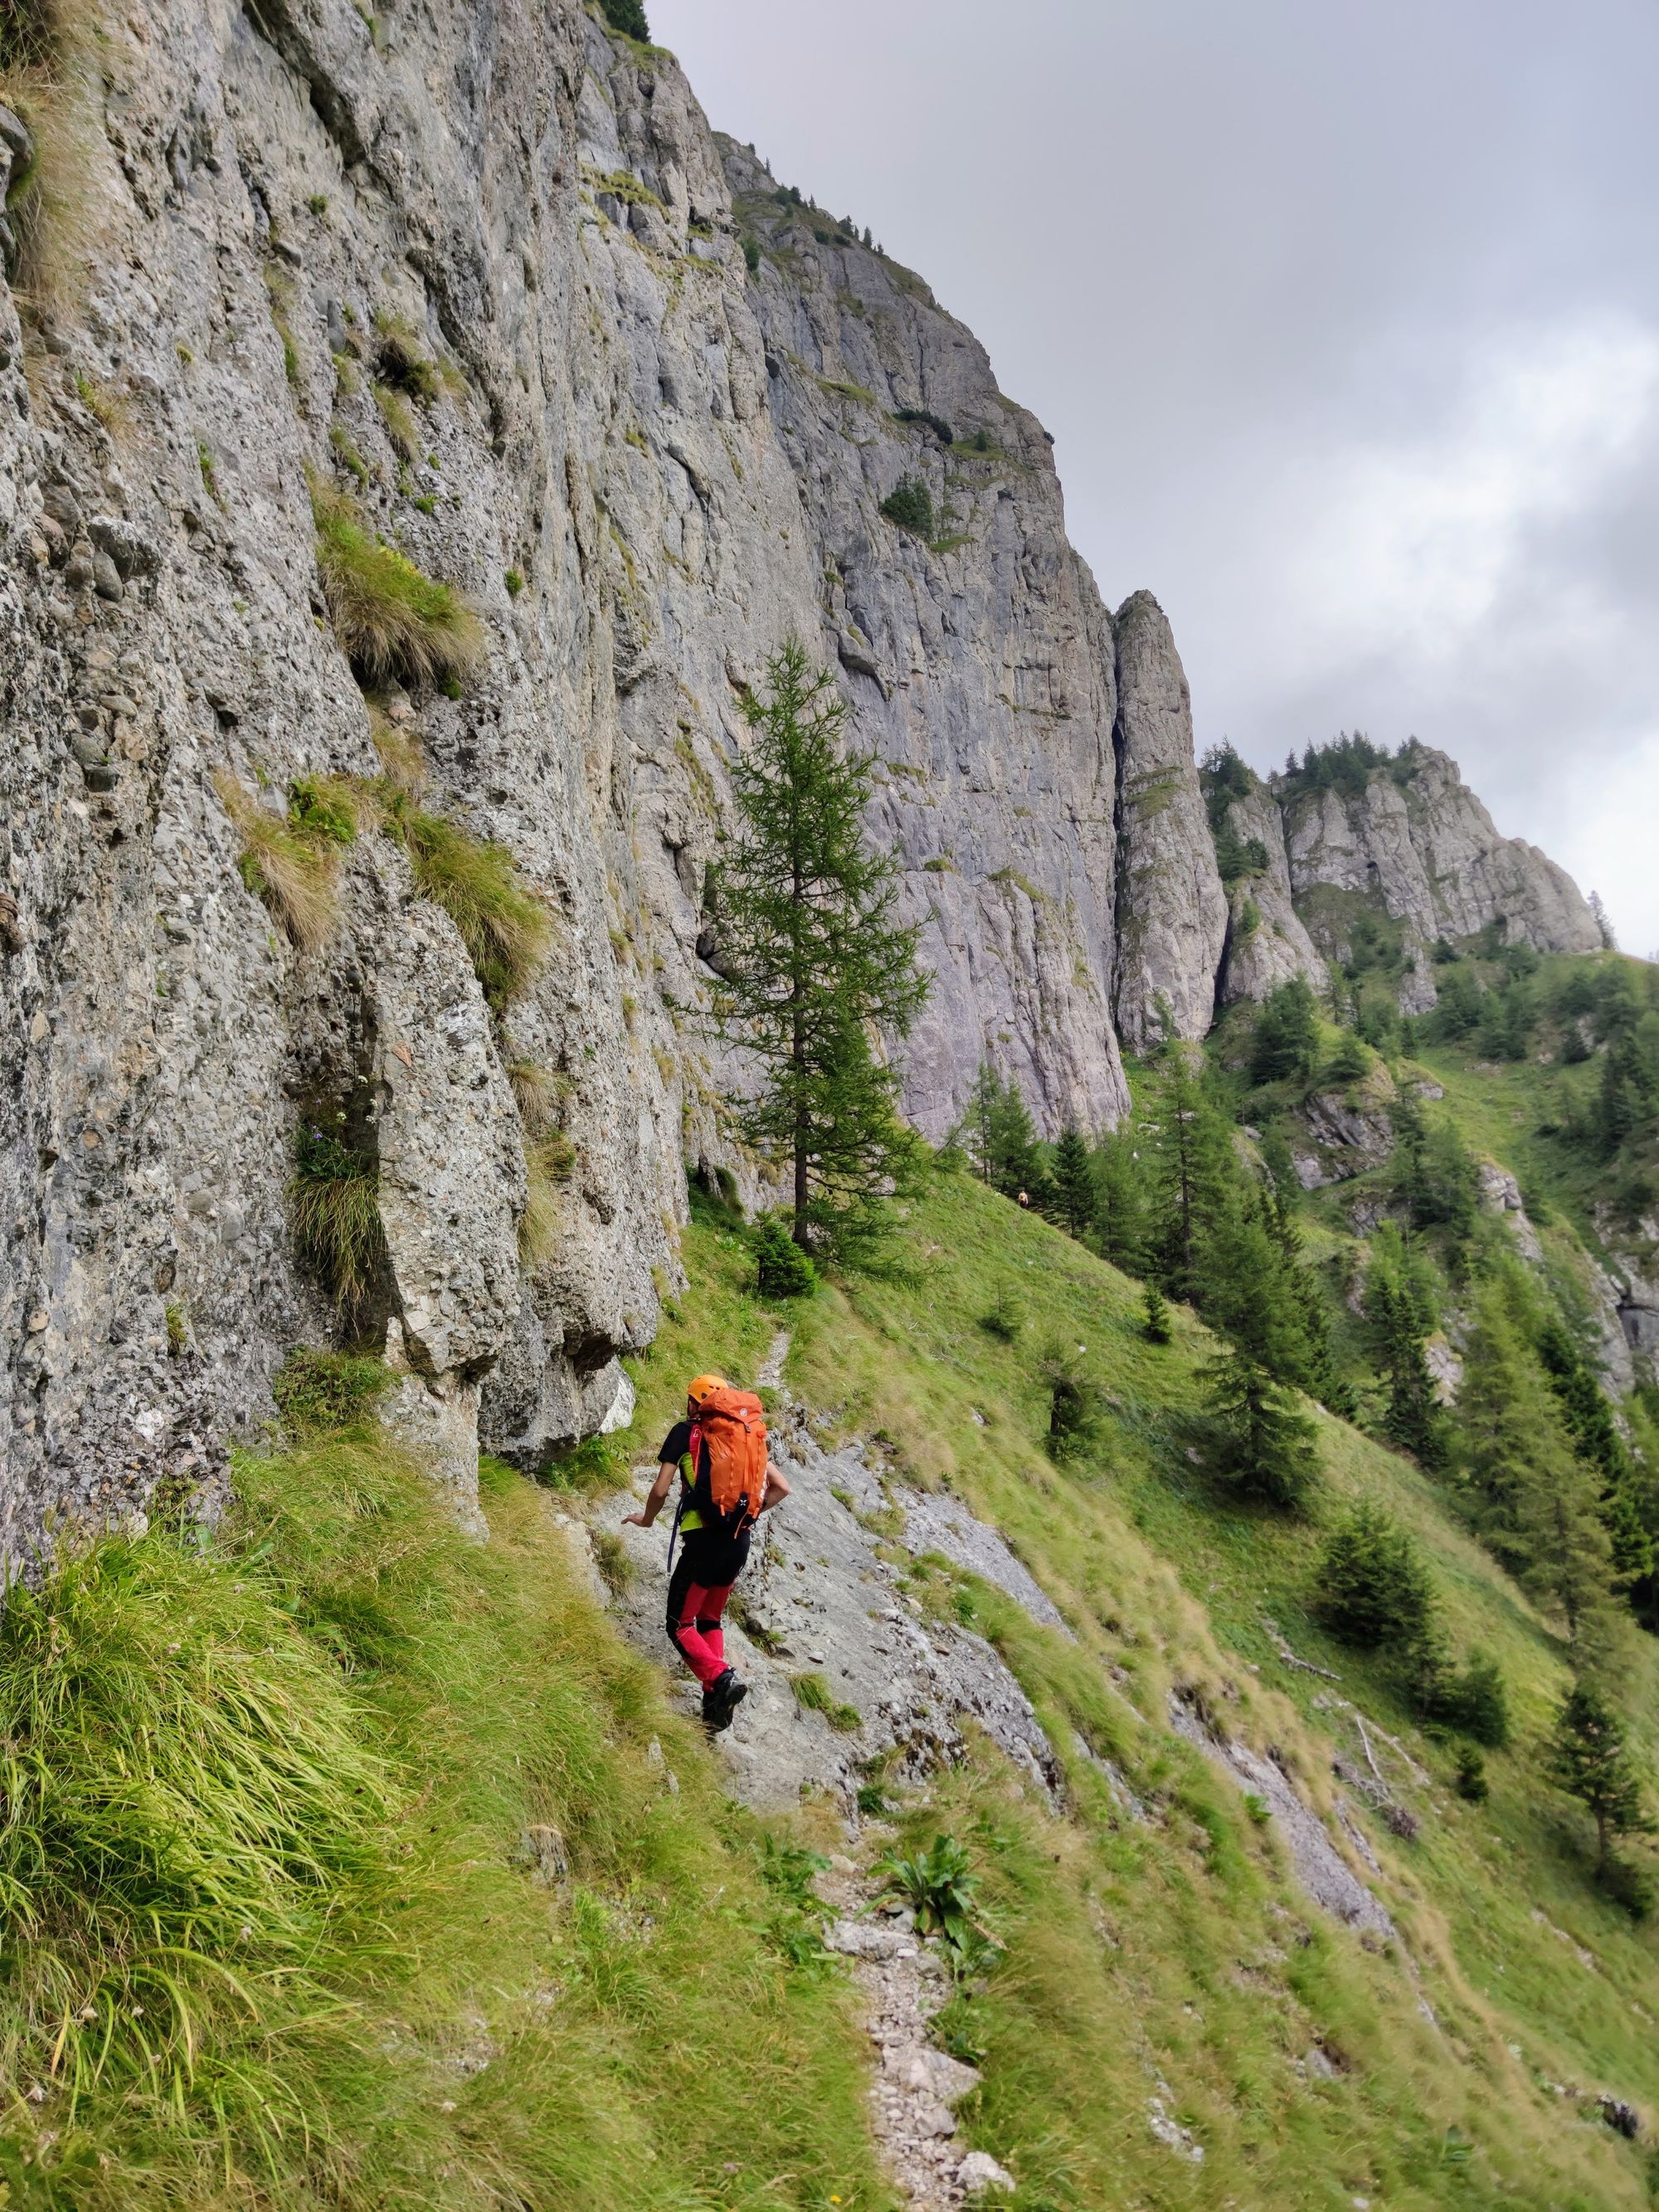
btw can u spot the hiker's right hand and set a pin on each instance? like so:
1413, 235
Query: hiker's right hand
635, 1520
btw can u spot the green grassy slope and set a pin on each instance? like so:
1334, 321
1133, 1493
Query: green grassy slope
271, 1941
1180, 1958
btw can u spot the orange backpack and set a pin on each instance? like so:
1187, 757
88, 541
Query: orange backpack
730, 1475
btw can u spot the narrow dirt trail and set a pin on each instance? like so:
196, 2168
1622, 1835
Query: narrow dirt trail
905, 1983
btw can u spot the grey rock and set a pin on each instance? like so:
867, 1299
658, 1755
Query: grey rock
1349, 1129
105, 576
133, 552
979, 2175
1319, 1865
1171, 909
1421, 846
938, 1523
1267, 942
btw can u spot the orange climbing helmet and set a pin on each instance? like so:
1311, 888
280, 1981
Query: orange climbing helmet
704, 1386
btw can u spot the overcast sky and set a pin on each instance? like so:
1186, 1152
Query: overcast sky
1345, 317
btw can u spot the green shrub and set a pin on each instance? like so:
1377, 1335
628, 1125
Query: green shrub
1073, 1406
1154, 1316
326, 807
1629, 1884
911, 505
403, 365
514, 582
783, 1270
940, 1888
334, 1211
318, 1392
937, 424
1006, 1318
394, 623
1478, 1703
1237, 858
1471, 1780
751, 254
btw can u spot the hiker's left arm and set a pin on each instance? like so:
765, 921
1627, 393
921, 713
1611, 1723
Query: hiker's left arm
776, 1488
655, 1497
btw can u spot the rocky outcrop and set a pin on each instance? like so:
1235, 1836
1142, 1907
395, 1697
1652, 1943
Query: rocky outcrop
976, 656
822, 1609
1418, 845
488, 273
1171, 911
1267, 943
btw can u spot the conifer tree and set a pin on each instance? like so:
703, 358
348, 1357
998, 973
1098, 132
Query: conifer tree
815, 961
1374, 1587
1191, 1173
1154, 1316
1265, 1447
1596, 1440
1286, 1042
1590, 1760
1350, 1062
1119, 1223
1539, 1504
1412, 1420
1074, 1182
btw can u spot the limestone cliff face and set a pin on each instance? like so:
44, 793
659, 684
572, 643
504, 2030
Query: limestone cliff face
978, 660
1172, 911
1266, 941
1420, 842
646, 463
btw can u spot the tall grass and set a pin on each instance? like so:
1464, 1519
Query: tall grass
48, 76
272, 1937
549, 1160
285, 861
334, 1212
395, 624
503, 925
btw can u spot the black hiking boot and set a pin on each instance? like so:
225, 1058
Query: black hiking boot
720, 1701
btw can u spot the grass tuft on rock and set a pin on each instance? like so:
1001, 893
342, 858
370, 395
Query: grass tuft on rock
334, 1212
394, 623
285, 862
503, 925
48, 64
549, 1161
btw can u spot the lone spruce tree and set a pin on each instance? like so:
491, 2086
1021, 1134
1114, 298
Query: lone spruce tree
1074, 1183
1589, 1759
814, 963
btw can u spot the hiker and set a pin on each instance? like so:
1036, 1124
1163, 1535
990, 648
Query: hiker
726, 1482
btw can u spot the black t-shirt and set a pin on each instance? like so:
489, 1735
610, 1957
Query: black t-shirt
676, 1449
675, 1445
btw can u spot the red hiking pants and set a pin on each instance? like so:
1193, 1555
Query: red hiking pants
707, 1567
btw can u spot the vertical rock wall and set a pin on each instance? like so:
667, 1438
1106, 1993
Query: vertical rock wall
661, 419
1171, 908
